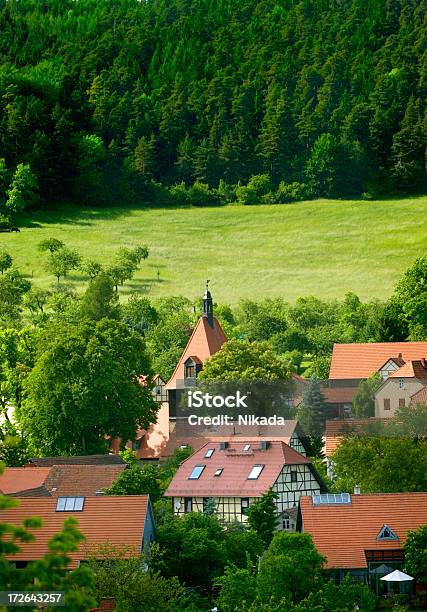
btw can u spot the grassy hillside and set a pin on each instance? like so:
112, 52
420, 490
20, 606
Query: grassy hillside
323, 248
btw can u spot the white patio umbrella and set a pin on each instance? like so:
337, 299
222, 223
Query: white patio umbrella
397, 576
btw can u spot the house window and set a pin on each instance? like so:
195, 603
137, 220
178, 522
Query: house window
196, 472
401, 402
386, 403
209, 453
190, 371
136, 444
387, 533
244, 504
69, 504
294, 476
255, 472
188, 504
218, 472
286, 522
401, 383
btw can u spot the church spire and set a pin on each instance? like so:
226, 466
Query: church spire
208, 305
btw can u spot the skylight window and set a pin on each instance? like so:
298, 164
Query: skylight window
209, 453
69, 504
247, 447
218, 472
255, 472
196, 472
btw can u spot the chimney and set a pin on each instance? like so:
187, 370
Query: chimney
400, 356
357, 489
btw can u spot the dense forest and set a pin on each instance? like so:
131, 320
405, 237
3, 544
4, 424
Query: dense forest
248, 100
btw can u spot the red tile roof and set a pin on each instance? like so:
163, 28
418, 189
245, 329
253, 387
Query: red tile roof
338, 395
205, 341
81, 480
337, 429
236, 464
116, 519
361, 360
411, 369
420, 397
19, 479
58, 480
342, 532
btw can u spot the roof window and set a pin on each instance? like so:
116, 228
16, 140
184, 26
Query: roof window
70, 504
196, 472
255, 472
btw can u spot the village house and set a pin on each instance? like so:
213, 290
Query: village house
399, 387
232, 475
161, 438
119, 520
363, 535
352, 363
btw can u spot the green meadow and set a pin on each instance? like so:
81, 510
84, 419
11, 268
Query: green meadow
324, 248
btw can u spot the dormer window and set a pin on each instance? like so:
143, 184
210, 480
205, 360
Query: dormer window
387, 533
192, 367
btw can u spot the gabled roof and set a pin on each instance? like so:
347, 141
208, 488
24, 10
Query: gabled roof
337, 429
22, 478
204, 342
236, 464
411, 369
106, 459
343, 532
119, 520
420, 397
356, 361
58, 480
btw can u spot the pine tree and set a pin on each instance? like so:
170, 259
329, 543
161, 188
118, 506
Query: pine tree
262, 516
312, 410
144, 156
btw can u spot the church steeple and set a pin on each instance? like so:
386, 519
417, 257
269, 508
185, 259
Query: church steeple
208, 305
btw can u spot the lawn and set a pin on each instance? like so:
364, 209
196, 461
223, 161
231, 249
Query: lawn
322, 248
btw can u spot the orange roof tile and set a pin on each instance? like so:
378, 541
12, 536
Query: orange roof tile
420, 397
58, 480
81, 480
20, 479
361, 360
236, 464
411, 369
343, 532
116, 519
337, 429
205, 341
338, 395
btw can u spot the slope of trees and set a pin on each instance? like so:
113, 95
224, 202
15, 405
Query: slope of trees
125, 99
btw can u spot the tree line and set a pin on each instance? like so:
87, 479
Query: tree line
177, 102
